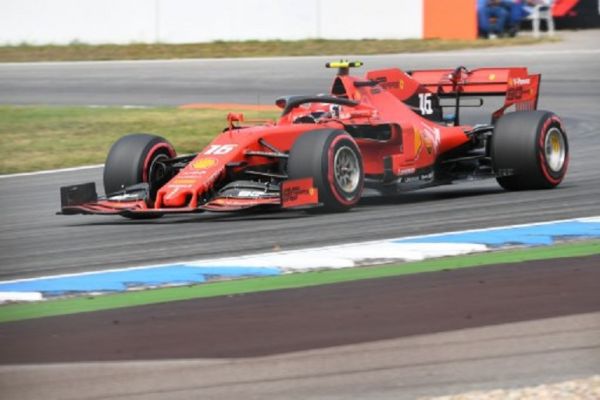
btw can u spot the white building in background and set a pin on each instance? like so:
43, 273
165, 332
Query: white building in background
185, 21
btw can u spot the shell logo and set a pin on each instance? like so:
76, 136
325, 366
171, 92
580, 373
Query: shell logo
311, 191
492, 77
204, 163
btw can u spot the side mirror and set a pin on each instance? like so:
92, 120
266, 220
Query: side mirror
281, 102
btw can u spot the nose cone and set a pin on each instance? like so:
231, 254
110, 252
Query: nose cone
185, 188
175, 196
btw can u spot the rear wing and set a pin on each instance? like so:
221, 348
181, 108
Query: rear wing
519, 87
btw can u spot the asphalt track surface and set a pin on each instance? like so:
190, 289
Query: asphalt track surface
34, 241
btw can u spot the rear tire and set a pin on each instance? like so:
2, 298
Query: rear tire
133, 159
529, 150
333, 160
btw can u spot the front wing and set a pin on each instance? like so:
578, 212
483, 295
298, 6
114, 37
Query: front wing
83, 199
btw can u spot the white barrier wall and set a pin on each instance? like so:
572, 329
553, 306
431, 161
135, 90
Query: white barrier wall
65, 21
184, 21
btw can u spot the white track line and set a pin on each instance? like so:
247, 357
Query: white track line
51, 171
20, 296
484, 52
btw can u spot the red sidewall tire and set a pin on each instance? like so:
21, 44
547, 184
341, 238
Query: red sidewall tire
518, 152
314, 155
553, 177
159, 148
130, 159
346, 199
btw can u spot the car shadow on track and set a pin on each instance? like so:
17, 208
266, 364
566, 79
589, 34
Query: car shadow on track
205, 217
429, 195
258, 214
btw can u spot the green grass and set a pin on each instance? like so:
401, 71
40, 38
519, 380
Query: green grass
36, 138
16, 312
253, 48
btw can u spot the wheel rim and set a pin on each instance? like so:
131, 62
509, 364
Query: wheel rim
156, 174
156, 171
555, 149
346, 169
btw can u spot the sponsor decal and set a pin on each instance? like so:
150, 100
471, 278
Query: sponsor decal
390, 85
521, 81
299, 192
212, 178
384, 83
417, 178
514, 93
180, 181
204, 163
177, 186
250, 193
238, 202
515, 89
407, 171
492, 77
191, 173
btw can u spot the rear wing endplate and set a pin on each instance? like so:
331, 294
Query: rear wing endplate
519, 87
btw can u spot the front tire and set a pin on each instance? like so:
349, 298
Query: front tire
135, 159
333, 160
529, 150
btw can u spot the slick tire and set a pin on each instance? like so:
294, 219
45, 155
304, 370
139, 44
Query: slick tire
132, 160
332, 159
529, 150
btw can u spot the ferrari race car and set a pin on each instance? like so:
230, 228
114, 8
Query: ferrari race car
389, 131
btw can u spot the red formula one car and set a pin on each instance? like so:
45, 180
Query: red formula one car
387, 131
